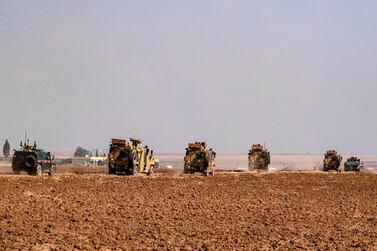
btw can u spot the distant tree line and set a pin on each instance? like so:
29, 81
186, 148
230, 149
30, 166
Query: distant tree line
81, 152
6, 149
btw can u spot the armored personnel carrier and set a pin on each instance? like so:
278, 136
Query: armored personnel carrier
332, 161
33, 160
130, 159
199, 158
259, 158
353, 164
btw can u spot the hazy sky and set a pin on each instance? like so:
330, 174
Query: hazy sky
298, 75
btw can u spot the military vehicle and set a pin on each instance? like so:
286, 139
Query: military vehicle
332, 161
130, 159
353, 164
33, 160
199, 158
259, 158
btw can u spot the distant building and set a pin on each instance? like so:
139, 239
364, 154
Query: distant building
81, 161
98, 161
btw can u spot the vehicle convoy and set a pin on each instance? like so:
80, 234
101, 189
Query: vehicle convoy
131, 159
199, 158
332, 161
33, 160
353, 164
259, 158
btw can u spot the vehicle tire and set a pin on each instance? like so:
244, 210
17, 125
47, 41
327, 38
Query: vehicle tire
38, 170
30, 161
186, 170
111, 169
251, 166
16, 171
52, 171
206, 166
156, 164
135, 170
135, 165
150, 172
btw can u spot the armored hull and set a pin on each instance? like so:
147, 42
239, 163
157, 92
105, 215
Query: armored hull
199, 158
130, 159
332, 161
353, 164
32, 160
259, 158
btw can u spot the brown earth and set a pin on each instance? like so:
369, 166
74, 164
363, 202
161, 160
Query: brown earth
229, 211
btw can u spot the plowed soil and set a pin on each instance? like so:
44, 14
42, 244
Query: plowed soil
229, 211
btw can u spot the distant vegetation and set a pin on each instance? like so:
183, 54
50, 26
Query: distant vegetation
81, 152
6, 149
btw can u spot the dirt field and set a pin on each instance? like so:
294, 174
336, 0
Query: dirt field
170, 211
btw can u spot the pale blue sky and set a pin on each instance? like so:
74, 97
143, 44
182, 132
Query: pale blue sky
298, 75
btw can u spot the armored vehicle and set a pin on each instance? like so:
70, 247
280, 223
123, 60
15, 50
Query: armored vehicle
332, 161
33, 160
353, 164
199, 158
259, 158
130, 159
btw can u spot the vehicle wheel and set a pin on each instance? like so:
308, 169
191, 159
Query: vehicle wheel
16, 171
186, 170
52, 170
135, 170
30, 161
206, 166
111, 169
38, 170
150, 172
251, 166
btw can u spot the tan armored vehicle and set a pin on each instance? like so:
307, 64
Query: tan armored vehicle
332, 161
259, 158
130, 159
199, 159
